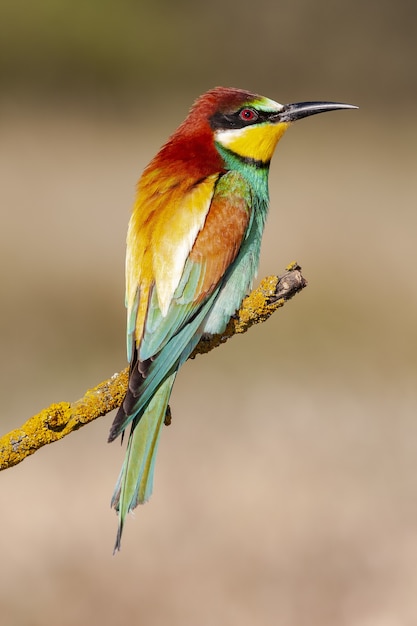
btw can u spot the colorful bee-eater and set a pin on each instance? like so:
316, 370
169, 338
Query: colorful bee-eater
192, 253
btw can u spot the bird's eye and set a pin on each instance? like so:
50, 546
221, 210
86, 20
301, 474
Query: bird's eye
248, 115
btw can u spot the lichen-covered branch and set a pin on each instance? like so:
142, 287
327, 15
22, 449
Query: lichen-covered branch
58, 420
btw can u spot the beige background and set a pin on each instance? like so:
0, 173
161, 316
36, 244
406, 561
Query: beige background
286, 488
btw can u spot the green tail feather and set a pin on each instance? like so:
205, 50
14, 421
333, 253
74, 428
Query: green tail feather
135, 482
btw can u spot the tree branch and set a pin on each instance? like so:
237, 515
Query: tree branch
59, 420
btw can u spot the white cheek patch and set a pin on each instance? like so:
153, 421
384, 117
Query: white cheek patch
228, 137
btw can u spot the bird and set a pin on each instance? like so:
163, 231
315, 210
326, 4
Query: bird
192, 254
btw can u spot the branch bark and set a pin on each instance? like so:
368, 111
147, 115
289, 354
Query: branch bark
59, 420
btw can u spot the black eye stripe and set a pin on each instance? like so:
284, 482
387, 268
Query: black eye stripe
227, 121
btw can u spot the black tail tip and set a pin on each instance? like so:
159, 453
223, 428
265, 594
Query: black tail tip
118, 544
118, 424
112, 435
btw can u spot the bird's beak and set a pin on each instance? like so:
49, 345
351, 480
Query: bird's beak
298, 110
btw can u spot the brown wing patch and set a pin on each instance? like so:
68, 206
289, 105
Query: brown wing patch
218, 243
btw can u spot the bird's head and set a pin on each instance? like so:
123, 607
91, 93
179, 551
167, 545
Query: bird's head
246, 124
227, 123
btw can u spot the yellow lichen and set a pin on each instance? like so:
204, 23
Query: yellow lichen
58, 420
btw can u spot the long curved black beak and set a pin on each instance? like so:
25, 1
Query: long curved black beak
298, 110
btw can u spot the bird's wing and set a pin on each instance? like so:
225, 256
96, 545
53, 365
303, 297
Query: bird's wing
180, 245
165, 222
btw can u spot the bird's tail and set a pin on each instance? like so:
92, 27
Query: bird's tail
135, 482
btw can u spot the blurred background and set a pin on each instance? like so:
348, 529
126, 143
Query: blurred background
286, 487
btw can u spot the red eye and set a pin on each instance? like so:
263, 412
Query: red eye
248, 115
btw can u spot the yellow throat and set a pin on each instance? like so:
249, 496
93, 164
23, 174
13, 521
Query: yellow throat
256, 142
